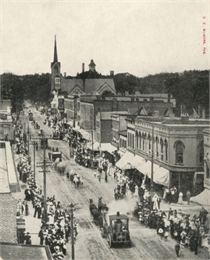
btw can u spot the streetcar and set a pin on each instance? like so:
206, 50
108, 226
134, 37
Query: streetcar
30, 116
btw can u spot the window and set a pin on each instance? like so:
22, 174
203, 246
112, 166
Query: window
139, 140
57, 80
166, 150
143, 136
157, 146
179, 150
161, 148
207, 166
149, 139
200, 152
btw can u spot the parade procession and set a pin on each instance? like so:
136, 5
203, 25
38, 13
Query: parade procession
104, 164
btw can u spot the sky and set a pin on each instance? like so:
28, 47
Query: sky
139, 37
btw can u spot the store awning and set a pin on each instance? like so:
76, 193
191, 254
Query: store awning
162, 176
84, 133
108, 147
124, 162
70, 123
203, 198
137, 161
94, 146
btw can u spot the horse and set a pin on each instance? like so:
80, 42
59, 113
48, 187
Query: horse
76, 180
101, 205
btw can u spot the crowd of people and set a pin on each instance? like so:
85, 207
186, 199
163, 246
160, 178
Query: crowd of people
55, 219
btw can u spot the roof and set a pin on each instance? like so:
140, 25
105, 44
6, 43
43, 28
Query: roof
92, 86
87, 86
123, 132
115, 217
25, 252
92, 63
106, 115
4, 179
207, 131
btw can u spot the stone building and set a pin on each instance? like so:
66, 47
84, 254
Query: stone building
206, 134
177, 149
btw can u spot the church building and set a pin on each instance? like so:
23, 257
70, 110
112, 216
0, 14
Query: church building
79, 86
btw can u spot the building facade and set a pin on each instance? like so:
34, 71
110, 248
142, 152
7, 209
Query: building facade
176, 146
206, 134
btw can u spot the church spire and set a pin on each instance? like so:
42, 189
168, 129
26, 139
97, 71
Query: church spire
55, 52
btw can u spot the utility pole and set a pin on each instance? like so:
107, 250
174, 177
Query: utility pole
44, 164
72, 230
34, 158
152, 159
28, 139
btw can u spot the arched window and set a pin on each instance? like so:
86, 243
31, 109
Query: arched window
149, 140
143, 142
179, 152
139, 140
200, 152
166, 150
161, 148
157, 146
207, 160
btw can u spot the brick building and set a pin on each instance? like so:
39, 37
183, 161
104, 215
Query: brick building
91, 105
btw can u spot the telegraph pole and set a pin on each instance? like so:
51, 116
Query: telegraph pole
44, 164
152, 160
28, 140
72, 231
34, 158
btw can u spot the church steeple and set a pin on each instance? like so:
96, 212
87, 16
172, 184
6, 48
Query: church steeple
55, 52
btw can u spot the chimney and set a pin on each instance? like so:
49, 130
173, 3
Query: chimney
152, 103
111, 73
64, 74
114, 104
118, 213
203, 113
199, 111
169, 98
83, 67
126, 93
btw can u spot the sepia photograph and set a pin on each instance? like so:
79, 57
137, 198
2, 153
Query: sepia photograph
104, 130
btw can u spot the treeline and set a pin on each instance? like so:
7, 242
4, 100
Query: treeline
18, 88
190, 88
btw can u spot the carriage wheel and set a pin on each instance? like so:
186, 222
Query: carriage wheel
110, 241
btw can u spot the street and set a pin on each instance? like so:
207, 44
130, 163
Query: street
146, 244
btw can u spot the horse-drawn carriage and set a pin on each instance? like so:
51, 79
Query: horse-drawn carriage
98, 212
117, 232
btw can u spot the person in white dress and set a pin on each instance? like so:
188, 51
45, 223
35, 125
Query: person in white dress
180, 200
